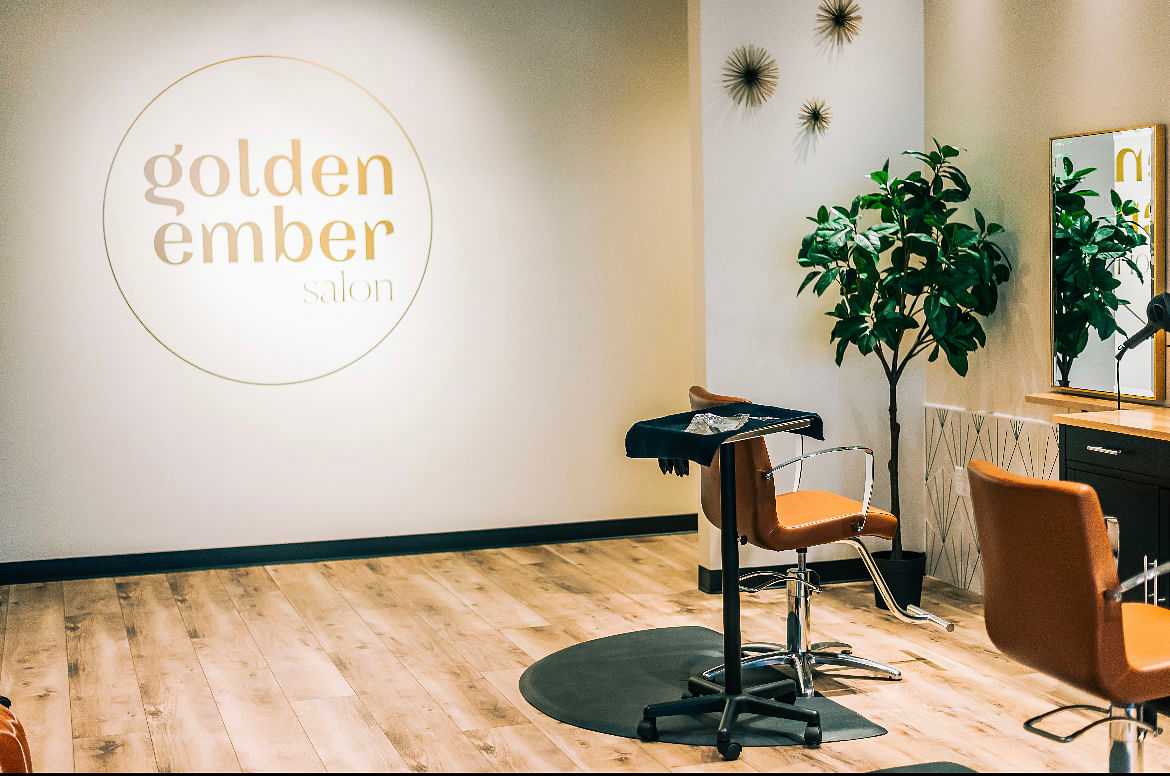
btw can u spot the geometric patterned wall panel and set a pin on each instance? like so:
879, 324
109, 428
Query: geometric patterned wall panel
954, 437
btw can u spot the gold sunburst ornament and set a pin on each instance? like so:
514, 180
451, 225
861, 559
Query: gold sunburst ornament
815, 117
839, 21
750, 76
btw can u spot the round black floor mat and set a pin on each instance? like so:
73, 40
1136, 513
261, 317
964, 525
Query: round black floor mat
603, 685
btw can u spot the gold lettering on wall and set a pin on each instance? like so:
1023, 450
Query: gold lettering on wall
371, 231
267, 219
221, 171
210, 175
245, 169
363, 172
233, 241
294, 163
281, 228
319, 173
327, 240
161, 242
175, 174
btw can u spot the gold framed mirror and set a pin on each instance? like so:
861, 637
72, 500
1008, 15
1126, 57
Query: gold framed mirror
1106, 245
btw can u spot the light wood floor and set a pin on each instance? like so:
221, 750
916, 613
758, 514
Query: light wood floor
411, 663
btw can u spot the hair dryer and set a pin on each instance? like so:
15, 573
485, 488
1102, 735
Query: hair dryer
1158, 319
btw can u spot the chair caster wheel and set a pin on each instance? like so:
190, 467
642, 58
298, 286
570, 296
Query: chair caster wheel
728, 749
648, 730
812, 736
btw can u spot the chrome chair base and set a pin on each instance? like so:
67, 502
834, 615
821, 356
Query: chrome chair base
1129, 726
802, 659
802, 665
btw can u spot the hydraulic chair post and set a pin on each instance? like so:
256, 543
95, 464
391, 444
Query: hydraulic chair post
729, 550
1126, 741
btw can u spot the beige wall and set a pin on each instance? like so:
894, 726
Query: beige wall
1002, 77
557, 306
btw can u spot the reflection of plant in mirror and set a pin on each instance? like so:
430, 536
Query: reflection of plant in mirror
916, 282
1085, 253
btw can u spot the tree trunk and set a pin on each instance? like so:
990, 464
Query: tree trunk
895, 501
1063, 366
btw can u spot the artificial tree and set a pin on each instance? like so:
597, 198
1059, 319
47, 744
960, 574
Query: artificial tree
1085, 253
913, 280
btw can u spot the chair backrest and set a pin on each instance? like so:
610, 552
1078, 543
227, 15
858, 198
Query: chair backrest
755, 497
1047, 563
14, 753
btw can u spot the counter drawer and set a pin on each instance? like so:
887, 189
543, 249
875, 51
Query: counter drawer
1139, 455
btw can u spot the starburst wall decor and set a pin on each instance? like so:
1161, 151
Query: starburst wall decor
815, 117
750, 76
839, 21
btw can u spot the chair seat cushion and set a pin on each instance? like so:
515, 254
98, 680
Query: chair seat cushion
807, 518
1146, 674
1146, 630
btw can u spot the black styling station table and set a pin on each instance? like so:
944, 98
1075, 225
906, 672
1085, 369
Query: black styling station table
667, 440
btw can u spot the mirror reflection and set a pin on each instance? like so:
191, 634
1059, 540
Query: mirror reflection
1106, 201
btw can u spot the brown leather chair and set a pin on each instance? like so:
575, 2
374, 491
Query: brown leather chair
1052, 601
797, 520
14, 752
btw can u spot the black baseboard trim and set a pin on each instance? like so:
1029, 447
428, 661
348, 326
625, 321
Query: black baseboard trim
19, 572
830, 571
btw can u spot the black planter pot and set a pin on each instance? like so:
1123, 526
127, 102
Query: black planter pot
904, 577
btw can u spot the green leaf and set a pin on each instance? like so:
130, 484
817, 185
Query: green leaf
849, 328
867, 242
826, 280
958, 361
842, 346
807, 279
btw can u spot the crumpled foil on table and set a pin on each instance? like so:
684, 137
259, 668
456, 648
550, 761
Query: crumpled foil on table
708, 423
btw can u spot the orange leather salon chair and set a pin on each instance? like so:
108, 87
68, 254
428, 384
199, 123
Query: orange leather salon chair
14, 752
1052, 601
797, 520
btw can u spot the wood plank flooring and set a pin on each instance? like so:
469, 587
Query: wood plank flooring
412, 663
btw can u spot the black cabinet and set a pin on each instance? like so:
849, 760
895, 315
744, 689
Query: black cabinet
1132, 478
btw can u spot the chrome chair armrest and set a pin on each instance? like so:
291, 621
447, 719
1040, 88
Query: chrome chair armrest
1113, 531
800, 459
1115, 594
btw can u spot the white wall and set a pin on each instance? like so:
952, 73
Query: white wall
557, 307
760, 181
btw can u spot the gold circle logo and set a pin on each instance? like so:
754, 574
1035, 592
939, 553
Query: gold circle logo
267, 220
